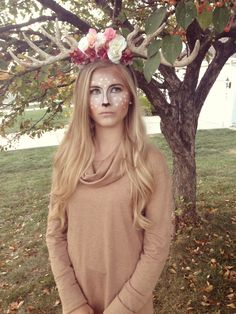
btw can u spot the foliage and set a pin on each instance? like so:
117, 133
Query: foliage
200, 274
146, 105
51, 86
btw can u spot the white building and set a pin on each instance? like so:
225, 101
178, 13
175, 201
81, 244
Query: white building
219, 109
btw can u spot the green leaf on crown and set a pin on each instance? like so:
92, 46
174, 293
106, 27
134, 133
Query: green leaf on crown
220, 18
154, 20
151, 65
205, 17
171, 47
153, 48
186, 12
138, 64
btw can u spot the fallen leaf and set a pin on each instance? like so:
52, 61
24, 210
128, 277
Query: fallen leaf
30, 308
231, 296
58, 302
172, 271
231, 305
4, 75
46, 291
208, 288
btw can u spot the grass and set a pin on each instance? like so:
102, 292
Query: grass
199, 276
34, 116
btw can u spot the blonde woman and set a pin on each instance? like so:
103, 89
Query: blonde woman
109, 225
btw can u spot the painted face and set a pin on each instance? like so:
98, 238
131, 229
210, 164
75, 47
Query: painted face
108, 93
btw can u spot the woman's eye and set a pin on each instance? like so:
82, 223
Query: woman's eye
94, 91
116, 89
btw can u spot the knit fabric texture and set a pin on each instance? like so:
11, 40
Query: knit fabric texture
99, 257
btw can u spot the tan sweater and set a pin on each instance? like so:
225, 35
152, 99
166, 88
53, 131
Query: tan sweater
100, 258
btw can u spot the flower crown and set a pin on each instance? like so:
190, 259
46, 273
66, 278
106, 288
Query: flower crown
107, 45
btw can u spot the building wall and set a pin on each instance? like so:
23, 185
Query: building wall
219, 110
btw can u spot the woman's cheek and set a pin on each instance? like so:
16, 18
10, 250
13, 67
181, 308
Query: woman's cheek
95, 102
93, 109
120, 101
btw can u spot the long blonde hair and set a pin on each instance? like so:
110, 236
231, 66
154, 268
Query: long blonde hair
76, 151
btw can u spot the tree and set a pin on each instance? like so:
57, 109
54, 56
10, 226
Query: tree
177, 101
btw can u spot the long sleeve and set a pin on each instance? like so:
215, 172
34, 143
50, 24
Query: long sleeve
156, 244
69, 290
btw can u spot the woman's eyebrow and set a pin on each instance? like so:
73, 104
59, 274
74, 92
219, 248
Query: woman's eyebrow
95, 86
114, 84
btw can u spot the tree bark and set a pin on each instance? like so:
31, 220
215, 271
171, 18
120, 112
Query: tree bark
179, 130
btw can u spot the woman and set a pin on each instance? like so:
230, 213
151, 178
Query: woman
109, 228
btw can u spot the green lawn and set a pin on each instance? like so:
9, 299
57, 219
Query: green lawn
200, 274
36, 115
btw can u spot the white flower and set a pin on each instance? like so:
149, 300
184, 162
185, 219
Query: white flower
116, 46
83, 44
100, 41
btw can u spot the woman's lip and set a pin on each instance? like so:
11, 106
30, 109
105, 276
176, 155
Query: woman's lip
107, 113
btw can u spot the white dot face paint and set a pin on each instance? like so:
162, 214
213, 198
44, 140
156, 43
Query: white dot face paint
108, 93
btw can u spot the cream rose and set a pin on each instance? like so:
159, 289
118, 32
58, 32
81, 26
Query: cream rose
83, 44
116, 46
100, 41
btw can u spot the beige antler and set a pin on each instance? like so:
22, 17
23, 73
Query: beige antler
47, 58
185, 60
141, 50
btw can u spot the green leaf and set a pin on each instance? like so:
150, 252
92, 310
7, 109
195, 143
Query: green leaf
220, 18
18, 82
151, 66
171, 47
205, 18
3, 64
43, 75
122, 17
53, 71
138, 64
153, 48
186, 12
125, 31
154, 20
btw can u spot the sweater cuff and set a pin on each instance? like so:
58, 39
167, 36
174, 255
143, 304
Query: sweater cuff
128, 301
117, 307
71, 299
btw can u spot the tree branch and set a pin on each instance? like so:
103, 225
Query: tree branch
117, 8
65, 15
192, 71
109, 11
223, 52
154, 94
42, 18
172, 81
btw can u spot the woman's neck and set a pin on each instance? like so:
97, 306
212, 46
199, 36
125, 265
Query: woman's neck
106, 140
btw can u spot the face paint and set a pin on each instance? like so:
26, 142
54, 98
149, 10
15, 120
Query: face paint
108, 93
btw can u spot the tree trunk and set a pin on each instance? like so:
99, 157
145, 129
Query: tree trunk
179, 130
179, 118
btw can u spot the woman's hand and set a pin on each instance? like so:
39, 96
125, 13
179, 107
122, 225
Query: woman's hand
84, 309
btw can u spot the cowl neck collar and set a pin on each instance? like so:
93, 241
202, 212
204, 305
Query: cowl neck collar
109, 170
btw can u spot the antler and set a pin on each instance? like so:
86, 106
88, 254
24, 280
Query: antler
141, 50
48, 59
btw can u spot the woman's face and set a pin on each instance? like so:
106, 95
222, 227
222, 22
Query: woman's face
109, 97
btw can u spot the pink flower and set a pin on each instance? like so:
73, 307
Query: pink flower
127, 57
91, 54
102, 53
109, 33
91, 37
78, 57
